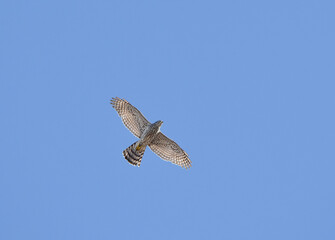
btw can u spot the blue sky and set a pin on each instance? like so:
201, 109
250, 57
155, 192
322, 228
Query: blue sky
245, 87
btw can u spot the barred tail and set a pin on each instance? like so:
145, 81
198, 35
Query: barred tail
134, 156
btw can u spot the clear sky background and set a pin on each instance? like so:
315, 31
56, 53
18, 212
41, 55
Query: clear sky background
245, 87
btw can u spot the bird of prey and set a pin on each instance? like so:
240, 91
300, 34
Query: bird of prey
149, 134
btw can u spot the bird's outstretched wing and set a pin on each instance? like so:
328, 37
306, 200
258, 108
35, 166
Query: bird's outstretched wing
168, 150
131, 117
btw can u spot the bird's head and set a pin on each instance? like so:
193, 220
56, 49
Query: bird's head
158, 123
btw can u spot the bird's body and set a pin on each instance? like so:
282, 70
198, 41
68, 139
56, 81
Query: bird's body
149, 135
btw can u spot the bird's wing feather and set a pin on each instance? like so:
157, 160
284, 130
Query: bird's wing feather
168, 150
131, 117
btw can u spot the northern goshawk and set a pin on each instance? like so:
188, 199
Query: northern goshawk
149, 135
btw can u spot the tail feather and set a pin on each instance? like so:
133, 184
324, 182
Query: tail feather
133, 156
